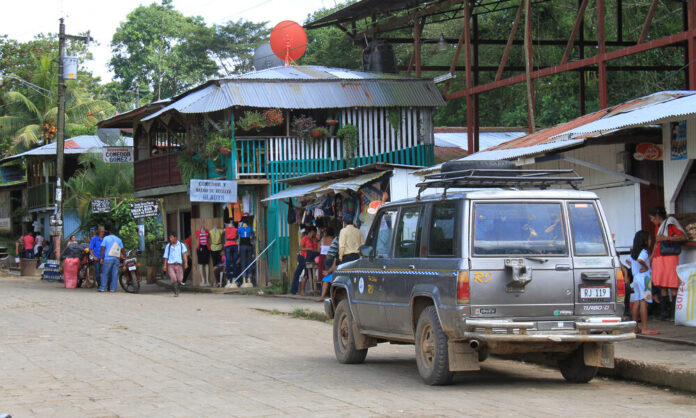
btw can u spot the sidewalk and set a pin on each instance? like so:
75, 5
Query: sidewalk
667, 359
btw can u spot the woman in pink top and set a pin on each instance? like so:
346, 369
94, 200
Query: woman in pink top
29, 245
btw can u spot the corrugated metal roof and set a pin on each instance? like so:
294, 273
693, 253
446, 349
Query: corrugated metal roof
486, 139
77, 145
308, 87
319, 188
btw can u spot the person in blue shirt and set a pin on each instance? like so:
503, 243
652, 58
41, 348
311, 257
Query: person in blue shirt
175, 255
109, 258
95, 250
246, 252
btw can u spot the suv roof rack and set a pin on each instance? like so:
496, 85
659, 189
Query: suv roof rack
517, 178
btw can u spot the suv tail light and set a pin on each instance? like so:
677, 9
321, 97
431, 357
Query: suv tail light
620, 286
463, 288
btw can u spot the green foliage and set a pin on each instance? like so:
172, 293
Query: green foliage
213, 145
330, 46
349, 134
233, 44
394, 118
252, 120
318, 133
190, 166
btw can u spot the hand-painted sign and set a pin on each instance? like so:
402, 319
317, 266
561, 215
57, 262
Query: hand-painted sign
118, 154
144, 209
101, 206
222, 191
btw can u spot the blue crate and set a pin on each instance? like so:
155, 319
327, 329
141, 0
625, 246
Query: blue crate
51, 272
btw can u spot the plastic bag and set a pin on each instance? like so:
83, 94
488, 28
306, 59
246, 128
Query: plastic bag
70, 268
685, 307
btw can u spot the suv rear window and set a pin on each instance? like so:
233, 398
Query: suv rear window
588, 237
519, 229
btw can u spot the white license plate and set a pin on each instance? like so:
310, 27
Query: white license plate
131, 268
599, 292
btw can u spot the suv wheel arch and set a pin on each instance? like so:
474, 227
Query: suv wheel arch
418, 305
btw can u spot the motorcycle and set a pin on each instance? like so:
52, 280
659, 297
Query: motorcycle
128, 275
85, 274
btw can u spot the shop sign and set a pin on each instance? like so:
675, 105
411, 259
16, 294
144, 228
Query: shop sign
101, 206
678, 140
221, 191
118, 154
374, 207
144, 209
5, 223
648, 151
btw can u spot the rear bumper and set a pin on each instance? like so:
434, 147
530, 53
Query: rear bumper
520, 332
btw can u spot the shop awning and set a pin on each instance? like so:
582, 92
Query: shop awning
350, 183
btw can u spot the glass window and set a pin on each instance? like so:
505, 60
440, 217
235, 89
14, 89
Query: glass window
588, 236
381, 236
519, 229
442, 229
408, 233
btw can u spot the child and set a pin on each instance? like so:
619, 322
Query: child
642, 287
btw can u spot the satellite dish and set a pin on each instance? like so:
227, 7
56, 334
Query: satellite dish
109, 136
265, 58
288, 41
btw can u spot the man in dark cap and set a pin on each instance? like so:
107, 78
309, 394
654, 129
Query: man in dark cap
349, 240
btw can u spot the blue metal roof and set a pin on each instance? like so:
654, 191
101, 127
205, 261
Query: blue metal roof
307, 87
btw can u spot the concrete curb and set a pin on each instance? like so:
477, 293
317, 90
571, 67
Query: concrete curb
666, 340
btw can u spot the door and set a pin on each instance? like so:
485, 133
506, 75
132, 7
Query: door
404, 269
520, 260
593, 264
367, 275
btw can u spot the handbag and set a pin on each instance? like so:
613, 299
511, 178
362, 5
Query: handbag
670, 248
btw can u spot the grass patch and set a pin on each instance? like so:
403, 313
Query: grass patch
301, 313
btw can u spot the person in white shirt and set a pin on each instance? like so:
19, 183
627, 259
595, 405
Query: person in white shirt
175, 261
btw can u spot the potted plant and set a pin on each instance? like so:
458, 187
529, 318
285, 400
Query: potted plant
332, 124
217, 145
302, 127
190, 166
252, 120
274, 117
319, 133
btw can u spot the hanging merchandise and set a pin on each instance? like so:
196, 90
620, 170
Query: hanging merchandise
327, 206
247, 204
338, 206
292, 215
318, 213
685, 307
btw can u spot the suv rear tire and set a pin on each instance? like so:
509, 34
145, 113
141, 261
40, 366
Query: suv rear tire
344, 339
574, 369
432, 357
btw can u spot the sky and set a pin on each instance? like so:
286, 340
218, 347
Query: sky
23, 19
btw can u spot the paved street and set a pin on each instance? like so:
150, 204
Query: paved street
83, 353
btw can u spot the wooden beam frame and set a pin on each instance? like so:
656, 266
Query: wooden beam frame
648, 20
513, 31
574, 33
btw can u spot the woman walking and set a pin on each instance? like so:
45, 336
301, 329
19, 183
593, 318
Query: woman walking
664, 265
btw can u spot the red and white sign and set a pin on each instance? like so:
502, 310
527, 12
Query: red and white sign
648, 151
118, 155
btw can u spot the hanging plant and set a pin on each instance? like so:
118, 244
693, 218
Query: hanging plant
319, 133
349, 134
302, 127
217, 145
331, 122
190, 167
394, 118
274, 117
251, 121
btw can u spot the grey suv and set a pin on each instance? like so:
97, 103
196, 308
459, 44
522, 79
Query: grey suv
492, 269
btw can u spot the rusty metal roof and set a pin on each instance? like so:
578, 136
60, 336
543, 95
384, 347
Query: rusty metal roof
307, 87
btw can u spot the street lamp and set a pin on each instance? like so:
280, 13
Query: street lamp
442, 43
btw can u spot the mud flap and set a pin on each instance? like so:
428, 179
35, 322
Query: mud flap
599, 354
462, 357
362, 341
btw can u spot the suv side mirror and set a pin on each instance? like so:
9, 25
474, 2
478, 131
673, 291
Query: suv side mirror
366, 251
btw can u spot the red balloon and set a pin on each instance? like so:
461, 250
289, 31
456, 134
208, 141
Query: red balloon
288, 40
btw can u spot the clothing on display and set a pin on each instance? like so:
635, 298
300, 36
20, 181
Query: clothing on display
216, 240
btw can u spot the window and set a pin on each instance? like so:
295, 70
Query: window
381, 236
408, 233
588, 236
519, 229
442, 229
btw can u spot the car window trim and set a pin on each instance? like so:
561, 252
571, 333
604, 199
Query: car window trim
602, 228
418, 228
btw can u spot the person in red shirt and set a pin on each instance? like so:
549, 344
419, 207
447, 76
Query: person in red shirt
664, 267
308, 250
29, 245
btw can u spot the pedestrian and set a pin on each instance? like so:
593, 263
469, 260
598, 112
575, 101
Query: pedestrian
28, 245
664, 266
246, 236
324, 245
175, 261
309, 246
95, 253
330, 262
109, 258
38, 245
73, 240
349, 240
641, 296
231, 251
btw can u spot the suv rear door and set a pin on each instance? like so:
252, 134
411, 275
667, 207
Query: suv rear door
593, 264
520, 260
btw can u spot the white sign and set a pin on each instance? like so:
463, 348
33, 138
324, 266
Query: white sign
118, 155
5, 223
70, 67
223, 191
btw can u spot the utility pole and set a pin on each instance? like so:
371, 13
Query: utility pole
57, 221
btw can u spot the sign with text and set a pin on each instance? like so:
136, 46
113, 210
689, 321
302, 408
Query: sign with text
144, 209
118, 154
5, 223
101, 206
221, 191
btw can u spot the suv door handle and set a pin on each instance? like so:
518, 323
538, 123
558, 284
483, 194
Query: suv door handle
562, 267
411, 266
384, 267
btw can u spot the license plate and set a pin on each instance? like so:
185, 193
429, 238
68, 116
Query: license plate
131, 268
595, 293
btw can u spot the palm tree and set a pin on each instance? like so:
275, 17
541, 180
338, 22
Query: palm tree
31, 119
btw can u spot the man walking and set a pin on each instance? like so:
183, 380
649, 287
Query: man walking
349, 240
109, 257
175, 261
95, 249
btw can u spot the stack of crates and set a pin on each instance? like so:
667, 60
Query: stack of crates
51, 272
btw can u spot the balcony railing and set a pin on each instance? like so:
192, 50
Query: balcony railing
41, 196
158, 171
